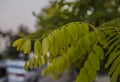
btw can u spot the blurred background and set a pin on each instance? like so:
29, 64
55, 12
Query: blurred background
18, 17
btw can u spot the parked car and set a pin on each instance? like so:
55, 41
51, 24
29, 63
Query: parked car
3, 73
16, 72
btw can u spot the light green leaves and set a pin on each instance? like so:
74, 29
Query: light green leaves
89, 71
46, 46
76, 43
83, 77
23, 45
94, 60
99, 51
66, 45
37, 47
74, 47
18, 43
26, 47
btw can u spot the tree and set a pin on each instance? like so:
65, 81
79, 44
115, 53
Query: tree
76, 43
94, 12
47, 41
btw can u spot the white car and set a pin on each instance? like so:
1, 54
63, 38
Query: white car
16, 72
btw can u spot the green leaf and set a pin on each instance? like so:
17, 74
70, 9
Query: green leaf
68, 33
111, 58
19, 43
99, 52
102, 38
93, 36
40, 60
73, 31
94, 61
83, 27
37, 47
82, 77
45, 44
114, 65
112, 46
111, 36
92, 73
26, 47
115, 74
115, 22
111, 41
58, 40
86, 42
45, 58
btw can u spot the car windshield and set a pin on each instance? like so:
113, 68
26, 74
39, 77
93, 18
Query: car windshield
14, 66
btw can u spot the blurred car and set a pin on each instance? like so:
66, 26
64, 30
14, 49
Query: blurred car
3, 73
16, 72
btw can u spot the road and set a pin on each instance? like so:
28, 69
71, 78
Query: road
62, 79
49, 79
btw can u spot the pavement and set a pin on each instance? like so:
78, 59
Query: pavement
63, 78
49, 79
104, 78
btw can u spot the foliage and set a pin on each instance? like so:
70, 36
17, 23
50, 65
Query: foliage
76, 43
95, 12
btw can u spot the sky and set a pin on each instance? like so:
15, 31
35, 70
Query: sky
13, 13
